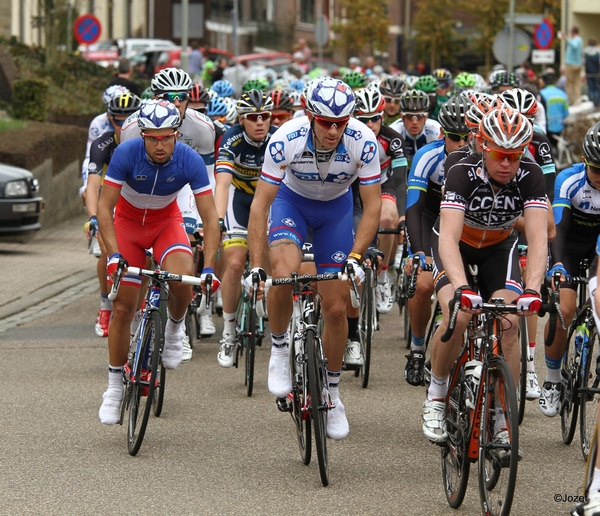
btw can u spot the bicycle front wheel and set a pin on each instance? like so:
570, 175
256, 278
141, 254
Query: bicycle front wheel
569, 399
143, 387
524, 342
365, 324
589, 394
318, 405
159, 386
250, 342
498, 440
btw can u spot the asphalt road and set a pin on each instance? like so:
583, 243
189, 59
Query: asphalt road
216, 451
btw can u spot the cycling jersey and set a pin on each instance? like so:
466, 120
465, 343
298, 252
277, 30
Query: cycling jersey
556, 103
539, 150
196, 131
576, 210
490, 215
242, 157
291, 158
98, 127
430, 133
101, 151
392, 161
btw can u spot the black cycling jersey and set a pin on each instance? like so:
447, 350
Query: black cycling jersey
100, 153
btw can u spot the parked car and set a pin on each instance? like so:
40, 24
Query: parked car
107, 53
156, 60
20, 204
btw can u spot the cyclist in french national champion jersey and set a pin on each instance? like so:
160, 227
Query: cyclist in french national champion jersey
239, 164
141, 186
422, 209
309, 166
484, 195
576, 212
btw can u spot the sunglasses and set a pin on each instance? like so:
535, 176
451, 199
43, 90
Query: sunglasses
280, 116
415, 116
456, 137
367, 119
172, 96
328, 124
255, 117
392, 100
594, 169
501, 155
155, 139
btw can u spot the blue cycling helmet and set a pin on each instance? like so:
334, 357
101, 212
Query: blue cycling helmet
223, 88
330, 98
159, 114
216, 107
297, 84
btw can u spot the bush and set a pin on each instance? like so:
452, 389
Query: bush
30, 99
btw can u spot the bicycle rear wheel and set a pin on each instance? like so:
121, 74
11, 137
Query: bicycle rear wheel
455, 463
524, 341
159, 388
318, 405
365, 324
143, 387
589, 393
569, 398
250, 340
591, 463
498, 461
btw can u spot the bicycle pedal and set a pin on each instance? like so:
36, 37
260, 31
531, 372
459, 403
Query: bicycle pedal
283, 406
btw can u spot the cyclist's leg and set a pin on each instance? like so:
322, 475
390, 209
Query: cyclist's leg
105, 312
389, 219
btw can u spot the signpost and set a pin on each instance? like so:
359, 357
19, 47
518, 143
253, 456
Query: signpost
321, 35
87, 29
543, 56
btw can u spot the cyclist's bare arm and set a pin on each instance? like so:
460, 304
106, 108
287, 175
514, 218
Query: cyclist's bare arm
537, 247
106, 205
210, 224
222, 192
92, 194
451, 228
257, 224
369, 222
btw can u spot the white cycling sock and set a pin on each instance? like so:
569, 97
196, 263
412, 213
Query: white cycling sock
500, 423
553, 376
174, 326
438, 388
333, 383
595, 487
228, 323
115, 377
105, 303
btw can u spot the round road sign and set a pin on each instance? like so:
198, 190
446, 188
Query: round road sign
87, 29
543, 35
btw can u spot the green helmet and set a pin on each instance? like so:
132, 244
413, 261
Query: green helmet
464, 80
426, 83
147, 94
355, 79
259, 83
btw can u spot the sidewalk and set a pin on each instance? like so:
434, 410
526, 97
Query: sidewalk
53, 261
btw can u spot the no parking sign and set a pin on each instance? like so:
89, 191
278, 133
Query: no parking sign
87, 29
543, 35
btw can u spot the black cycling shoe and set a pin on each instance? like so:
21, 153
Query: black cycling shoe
413, 372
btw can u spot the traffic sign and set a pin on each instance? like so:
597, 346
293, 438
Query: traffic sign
521, 49
321, 31
543, 56
87, 29
543, 35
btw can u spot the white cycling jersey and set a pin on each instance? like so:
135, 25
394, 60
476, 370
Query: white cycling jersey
291, 158
430, 133
196, 130
98, 127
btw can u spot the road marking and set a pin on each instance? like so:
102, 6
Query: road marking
50, 306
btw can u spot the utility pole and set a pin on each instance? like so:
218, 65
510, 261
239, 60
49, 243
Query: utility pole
407, 32
69, 27
184, 34
511, 37
151, 18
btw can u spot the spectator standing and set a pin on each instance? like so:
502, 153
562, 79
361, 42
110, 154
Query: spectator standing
123, 77
592, 70
195, 59
217, 72
573, 64
556, 104
300, 62
305, 49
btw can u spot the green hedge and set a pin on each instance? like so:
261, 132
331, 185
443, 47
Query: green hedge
30, 99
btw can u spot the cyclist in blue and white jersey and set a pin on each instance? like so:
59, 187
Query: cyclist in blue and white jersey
305, 184
98, 127
140, 188
422, 209
240, 161
576, 209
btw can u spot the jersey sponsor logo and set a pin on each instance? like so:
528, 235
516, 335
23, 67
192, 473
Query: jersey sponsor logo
544, 150
307, 155
95, 132
141, 178
338, 257
340, 178
296, 134
105, 143
396, 144
277, 151
92, 167
289, 222
503, 202
357, 135
170, 179
368, 152
306, 176
344, 158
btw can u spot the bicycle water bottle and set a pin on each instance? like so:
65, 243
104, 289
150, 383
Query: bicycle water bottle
438, 322
472, 378
298, 351
580, 339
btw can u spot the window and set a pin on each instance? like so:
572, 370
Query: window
195, 20
221, 9
307, 11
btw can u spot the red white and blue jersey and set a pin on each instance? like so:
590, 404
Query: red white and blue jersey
292, 159
148, 190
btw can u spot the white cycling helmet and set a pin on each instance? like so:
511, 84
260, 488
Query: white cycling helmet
369, 100
171, 79
159, 114
231, 115
522, 100
330, 98
506, 128
111, 92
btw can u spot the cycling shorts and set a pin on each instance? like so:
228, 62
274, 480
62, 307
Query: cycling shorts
165, 238
238, 213
428, 219
575, 251
498, 266
330, 221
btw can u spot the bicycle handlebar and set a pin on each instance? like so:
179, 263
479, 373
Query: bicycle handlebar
121, 266
412, 280
551, 305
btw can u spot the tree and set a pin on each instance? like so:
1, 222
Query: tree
436, 36
363, 26
489, 20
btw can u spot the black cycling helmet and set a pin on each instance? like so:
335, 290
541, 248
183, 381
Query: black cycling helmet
281, 100
124, 104
414, 101
452, 114
503, 78
591, 145
442, 75
392, 86
199, 94
254, 101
